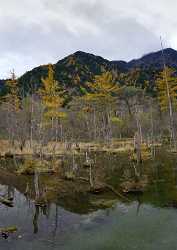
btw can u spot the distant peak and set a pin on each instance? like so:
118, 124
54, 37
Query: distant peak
170, 50
81, 53
166, 51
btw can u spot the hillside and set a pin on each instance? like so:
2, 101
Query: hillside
154, 60
73, 72
76, 70
3, 89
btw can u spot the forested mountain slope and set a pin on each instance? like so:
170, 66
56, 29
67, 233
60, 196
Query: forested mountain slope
75, 71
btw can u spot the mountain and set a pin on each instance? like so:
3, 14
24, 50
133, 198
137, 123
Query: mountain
73, 72
76, 70
3, 88
155, 60
2, 82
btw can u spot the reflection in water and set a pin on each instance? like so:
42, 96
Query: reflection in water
83, 220
40, 210
139, 203
35, 219
10, 192
56, 221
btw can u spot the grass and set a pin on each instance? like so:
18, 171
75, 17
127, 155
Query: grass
31, 165
61, 148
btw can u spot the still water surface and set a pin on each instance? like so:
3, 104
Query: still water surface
148, 221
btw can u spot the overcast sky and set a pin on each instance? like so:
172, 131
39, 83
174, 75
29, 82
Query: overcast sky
34, 32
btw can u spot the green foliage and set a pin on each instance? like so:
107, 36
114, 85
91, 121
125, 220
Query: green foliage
129, 92
83, 90
117, 120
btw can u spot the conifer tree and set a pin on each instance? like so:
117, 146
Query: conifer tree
167, 95
51, 95
101, 98
103, 87
12, 102
13, 98
52, 100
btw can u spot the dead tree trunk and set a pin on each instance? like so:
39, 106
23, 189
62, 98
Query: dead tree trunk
137, 147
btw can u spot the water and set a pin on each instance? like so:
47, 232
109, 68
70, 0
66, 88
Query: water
147, 221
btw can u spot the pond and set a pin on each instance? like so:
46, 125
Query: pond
82, 222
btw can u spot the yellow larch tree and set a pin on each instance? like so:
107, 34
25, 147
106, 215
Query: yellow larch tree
52, 99
167, 89
103, 87
103, 91
167, 96
51, 95
12, 105
13, 97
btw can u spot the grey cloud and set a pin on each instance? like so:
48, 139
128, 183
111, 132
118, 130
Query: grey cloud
40, 31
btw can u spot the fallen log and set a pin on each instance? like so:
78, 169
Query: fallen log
104, 185
116, 192
12, 229
133, 186
5, 232
7, 202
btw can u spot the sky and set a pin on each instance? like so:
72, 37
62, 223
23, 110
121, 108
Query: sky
36, 32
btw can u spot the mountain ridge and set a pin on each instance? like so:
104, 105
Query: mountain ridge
74, 71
